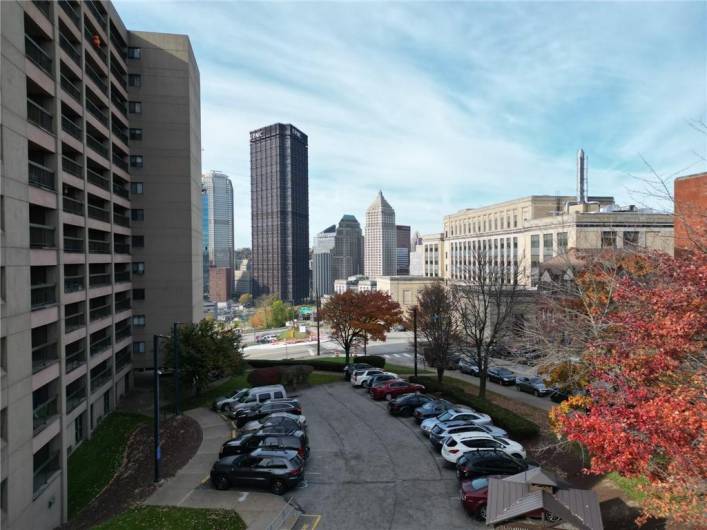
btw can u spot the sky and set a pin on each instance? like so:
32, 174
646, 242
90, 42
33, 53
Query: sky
447, 105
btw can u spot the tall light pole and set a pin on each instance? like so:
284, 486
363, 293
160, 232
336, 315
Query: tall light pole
414, 334
318, 309
177, 360
156, 387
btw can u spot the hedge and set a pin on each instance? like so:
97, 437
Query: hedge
323, 365
517, 426
285, 375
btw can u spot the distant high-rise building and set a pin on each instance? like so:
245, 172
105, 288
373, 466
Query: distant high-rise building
279, 188
205, 236
402, 249
219, 193
347, 256
380, 241
322, 261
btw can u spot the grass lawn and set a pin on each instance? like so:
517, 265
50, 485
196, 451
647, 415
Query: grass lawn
95, 462
322, 378
173, 518
206, 398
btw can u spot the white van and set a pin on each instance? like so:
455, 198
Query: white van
259, 394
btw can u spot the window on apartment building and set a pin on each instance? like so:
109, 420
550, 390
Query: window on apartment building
135, 80
134, 52
138, 241
136, 188
138, 347
137, 214
2, 284
139, 267
608, 239
3, 424
630, 239
135, 107
138, 294
135, 134
139, 321
2, 212
136, 161
562, 242
78, 428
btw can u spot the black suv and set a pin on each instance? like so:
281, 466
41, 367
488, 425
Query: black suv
475, 464
249, 442
243, 416
276, 470
406, 404
502, 376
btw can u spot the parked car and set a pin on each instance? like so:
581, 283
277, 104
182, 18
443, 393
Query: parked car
458, 413
380, 379
243, 416
532, 385
559, 395
458, 444
431, 409
441, 431
276, 470
396, 387
249, 442
483, 463
287, 423
258, 394
473, 495
256, 424
220, 404
399, 327
406, 404
349, 368
502, 376
452, 362
468, 367
359, 377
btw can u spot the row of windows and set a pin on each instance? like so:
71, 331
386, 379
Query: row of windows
483, 224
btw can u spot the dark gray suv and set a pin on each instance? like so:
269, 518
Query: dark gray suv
275, 470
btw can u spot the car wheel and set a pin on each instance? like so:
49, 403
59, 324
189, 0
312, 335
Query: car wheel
221, 482
482, 512
277, 486
551, 517
406, 411
388, 397
518, 388
536, 393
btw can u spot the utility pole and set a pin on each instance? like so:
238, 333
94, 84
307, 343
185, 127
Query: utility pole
365, 343
414, 334
156, 387
177, 378
318, 309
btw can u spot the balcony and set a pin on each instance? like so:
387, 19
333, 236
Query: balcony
74, 399
122, 220
118, 74
41, 176
96, 280
121, 333
43, 6
101, 345
74, 322
97, 112
96, 78
122, 248
41, 236
70, 88
99, 214
97, 145
121, 191
71, 49
72, 167
73, 284
119, 132
98, 247
70, 127
122, 276
43, 295
98, 313
45, 471
40, 116
43, 414
74, 360
70, 10
122, 358
119, 101
73, 206
120, 162
73, 244
100, 17
43, 356
101, 379
37, 55
122, 305
97, 179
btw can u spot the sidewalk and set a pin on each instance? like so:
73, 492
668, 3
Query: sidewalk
190, 486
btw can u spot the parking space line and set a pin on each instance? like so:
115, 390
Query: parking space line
205, 480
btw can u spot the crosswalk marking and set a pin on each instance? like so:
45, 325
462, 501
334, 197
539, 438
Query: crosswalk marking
397, 355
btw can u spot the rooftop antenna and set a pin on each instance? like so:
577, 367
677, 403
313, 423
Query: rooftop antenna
582, 161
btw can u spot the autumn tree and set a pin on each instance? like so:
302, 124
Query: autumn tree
354, 317
437, 324
246, 299
486, 296
645, 411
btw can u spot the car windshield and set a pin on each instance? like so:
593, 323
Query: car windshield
447, 415
537, 381
503, 371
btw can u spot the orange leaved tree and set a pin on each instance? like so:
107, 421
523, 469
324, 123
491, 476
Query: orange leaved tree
354, 317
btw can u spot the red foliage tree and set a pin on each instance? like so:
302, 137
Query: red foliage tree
646, 408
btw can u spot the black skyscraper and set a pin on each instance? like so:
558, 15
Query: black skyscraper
279, 194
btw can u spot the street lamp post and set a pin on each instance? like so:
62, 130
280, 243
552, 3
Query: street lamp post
414, 331
156, 387
318, 309
177, 379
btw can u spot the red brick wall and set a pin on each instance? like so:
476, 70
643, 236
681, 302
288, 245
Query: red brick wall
220, 284
690, 211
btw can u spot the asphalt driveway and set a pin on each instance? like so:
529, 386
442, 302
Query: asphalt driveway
370, 470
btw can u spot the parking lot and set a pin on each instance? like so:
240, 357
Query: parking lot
368, 469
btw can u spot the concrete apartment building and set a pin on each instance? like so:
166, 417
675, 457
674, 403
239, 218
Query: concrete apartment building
74, 211
380, 240
279, 188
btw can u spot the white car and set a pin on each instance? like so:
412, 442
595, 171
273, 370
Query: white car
256, 424
359, 376
456, 414
458, 444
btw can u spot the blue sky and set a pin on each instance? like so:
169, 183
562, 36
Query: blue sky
443, 105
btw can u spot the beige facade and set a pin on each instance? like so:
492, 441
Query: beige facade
404, 289
525, 232
66, 303
379, 256
432, 248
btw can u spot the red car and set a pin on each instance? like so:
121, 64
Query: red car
473, 494
395, 388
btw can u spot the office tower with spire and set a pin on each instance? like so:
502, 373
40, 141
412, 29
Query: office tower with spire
380, 241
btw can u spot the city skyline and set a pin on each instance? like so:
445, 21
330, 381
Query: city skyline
498, 118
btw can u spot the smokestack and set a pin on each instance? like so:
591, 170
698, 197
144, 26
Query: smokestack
582, 185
